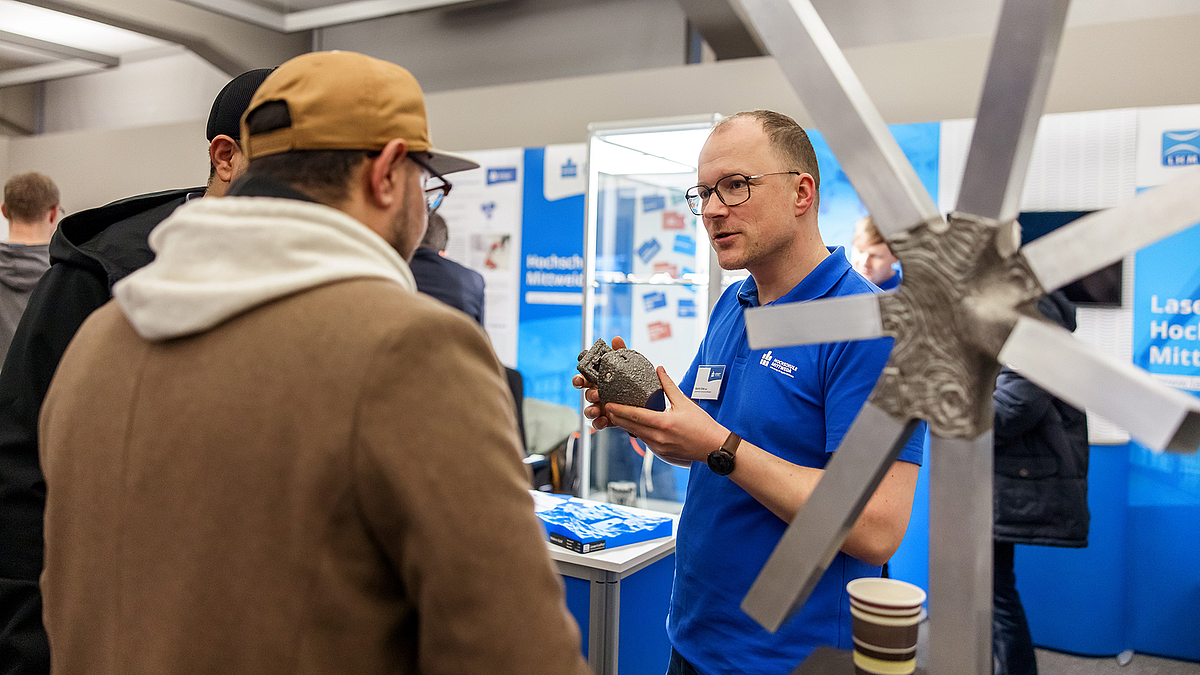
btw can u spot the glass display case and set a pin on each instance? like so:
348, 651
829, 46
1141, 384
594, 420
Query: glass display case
647, 280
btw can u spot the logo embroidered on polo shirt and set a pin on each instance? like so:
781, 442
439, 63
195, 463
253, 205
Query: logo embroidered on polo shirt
778, 365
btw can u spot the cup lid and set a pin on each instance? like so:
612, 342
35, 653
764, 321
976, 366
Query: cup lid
891, 593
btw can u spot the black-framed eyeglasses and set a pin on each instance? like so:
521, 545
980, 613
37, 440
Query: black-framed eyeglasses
732, 190
433, 195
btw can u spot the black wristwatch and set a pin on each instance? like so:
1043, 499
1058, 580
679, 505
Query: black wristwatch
721, 460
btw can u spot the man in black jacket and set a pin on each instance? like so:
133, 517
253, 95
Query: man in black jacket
454, 284
91, 251
1040, 490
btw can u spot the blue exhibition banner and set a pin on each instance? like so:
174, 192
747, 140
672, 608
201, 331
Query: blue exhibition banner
840, 207
1166, 310
550, 324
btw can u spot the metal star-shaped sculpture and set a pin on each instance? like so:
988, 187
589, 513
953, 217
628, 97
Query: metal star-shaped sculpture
966, 305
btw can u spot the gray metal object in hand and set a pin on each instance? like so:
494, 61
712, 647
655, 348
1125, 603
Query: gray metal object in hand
622, 376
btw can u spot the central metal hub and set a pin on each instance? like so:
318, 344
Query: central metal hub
964, 289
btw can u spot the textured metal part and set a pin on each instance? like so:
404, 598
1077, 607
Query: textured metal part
1014, 96
1156, 416
950, 316
851, 317
960, 555
1098, 240
622, 376
832, 94
820, 528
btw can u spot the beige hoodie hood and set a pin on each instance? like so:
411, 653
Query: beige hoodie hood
216, 258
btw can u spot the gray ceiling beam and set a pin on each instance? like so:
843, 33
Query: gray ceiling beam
231, 45
47, 71
722, 27
56, 50
319, 17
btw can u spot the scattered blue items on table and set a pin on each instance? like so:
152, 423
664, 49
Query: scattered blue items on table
587, 527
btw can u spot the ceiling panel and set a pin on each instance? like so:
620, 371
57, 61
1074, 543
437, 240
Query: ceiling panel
46, 24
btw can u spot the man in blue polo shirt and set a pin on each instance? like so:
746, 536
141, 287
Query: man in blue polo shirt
777, 414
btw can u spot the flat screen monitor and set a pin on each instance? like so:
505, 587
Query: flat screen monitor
1102, 288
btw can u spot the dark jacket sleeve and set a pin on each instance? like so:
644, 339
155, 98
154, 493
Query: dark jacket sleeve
1020, 404
64, 297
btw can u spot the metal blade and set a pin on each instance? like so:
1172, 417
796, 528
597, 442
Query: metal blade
813, 538
1100, 239
1014, 96
830, 91
851, 317
960, 555
1157, 416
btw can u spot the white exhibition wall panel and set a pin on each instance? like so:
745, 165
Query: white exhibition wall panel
1081, 161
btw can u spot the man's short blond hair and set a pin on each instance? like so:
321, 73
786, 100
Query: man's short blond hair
28, 197
866, 233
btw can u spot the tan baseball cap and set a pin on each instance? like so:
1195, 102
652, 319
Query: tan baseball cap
344, 101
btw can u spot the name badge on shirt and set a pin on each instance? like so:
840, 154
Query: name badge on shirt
708, 383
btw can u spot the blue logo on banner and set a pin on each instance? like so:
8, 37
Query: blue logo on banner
649, 249
685, 244
1181, 147
687, 308
569, 169
653, 203
488, 208
504, 175
656, 300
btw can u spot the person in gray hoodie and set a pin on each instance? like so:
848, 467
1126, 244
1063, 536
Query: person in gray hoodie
31, 208
92, 250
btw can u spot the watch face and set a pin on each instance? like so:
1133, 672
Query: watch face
721, 462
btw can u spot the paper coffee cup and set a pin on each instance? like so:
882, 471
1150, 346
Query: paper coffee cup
884, 616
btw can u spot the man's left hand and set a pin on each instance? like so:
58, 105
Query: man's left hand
683, 433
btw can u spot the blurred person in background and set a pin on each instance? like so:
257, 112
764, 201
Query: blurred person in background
32, 210
1040, 496
91, 251
872, 258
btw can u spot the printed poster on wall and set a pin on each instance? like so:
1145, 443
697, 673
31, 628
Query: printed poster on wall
663, 325
483, 215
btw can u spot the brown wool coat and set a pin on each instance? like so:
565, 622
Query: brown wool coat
329, 483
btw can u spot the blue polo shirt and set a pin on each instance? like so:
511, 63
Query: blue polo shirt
893, 282
796, 403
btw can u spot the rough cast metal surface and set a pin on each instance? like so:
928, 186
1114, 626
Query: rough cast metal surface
622, 376
964, 289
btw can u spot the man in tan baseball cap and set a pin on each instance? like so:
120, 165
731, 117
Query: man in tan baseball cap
270, 454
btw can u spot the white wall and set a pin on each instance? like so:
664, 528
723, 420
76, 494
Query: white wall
1141, 63
173, 87
1136, 64
520, 41
93, 168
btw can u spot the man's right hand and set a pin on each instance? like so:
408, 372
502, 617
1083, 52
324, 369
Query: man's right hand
592, 395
